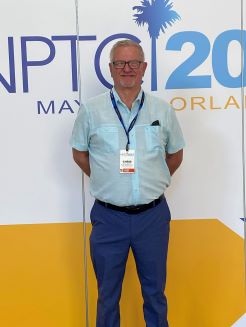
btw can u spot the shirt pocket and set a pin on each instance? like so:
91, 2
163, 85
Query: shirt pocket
109, 138
153, 138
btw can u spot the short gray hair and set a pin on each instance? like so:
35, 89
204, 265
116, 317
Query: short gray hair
126, 43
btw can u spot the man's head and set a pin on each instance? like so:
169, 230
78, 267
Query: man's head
127, 65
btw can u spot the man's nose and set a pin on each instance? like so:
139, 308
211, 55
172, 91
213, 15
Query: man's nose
127, 68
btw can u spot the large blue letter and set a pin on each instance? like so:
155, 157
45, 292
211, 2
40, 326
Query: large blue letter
11, 86
181, 77
73, 39
26, 63
220, 58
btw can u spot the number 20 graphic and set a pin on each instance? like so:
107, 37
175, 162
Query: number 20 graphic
180, 77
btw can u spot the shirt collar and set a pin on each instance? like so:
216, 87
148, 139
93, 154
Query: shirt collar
118, 99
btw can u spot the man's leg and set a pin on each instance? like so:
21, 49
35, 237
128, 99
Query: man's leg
150, 231
109, 245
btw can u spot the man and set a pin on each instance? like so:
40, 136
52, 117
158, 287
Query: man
129, 143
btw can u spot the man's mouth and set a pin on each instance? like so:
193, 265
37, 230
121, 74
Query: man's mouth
127, 75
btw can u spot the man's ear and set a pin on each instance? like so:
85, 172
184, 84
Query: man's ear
144, 67
110, 68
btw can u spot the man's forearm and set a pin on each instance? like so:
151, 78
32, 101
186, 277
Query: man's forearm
82, 160
174, 160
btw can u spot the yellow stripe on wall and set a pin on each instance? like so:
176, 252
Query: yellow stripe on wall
42, 280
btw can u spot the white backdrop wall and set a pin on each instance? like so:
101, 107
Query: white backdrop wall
37, 121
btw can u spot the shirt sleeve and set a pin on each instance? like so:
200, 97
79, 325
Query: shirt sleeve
175, 135
80, 134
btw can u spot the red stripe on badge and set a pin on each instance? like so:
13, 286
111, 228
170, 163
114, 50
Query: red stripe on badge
127, 170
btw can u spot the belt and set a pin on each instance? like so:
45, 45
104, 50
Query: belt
132, 209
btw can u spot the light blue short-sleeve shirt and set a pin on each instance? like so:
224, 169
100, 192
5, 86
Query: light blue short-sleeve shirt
97, 129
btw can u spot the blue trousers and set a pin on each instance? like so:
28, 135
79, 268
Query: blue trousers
147, 233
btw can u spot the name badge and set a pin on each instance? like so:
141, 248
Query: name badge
127, 161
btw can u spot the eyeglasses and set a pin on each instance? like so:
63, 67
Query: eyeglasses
120, 64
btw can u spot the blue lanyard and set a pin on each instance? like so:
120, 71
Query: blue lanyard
127, 131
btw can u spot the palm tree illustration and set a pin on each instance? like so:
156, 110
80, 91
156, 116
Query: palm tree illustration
158, 14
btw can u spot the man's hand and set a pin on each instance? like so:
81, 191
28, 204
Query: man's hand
82, 160
174, 160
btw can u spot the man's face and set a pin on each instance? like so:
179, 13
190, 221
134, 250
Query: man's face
127, 77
